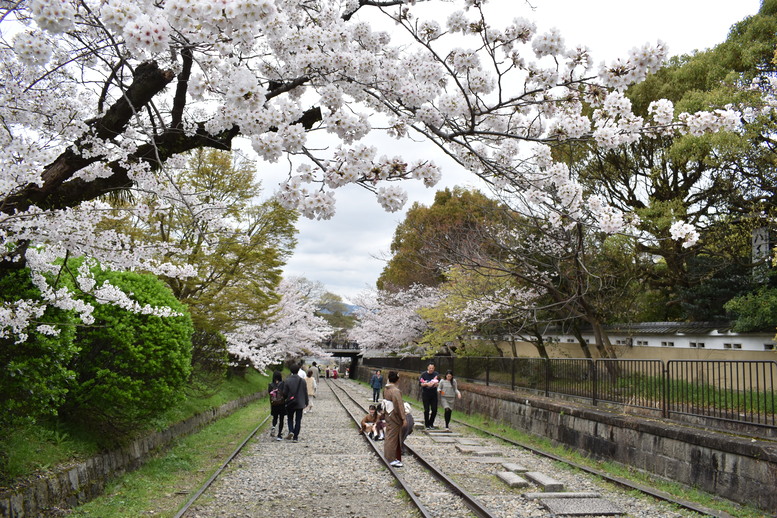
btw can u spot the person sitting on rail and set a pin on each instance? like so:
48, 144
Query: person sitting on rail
408, 429
369, 421
380, 423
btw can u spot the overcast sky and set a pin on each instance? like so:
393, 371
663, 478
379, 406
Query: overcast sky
348, 252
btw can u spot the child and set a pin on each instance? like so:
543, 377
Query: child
369, 422
380, 424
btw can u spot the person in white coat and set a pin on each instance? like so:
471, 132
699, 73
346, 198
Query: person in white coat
449, 392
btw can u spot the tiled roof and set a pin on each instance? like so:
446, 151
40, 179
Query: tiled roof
663, 328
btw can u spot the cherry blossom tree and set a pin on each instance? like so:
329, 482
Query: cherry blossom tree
101, 97
292, 329
390, 322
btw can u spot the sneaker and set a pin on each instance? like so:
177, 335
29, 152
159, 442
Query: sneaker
295, 440
396, 464
290, 436
272, 431
279, 438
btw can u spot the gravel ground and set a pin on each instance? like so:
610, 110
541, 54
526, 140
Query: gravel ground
332, 472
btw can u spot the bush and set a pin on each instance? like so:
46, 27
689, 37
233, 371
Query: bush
131, 366
754, 311
34, 374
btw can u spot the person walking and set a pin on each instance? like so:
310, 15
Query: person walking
449, 391
310, 383
395, 421
277, 405
376, 382
429, 381
316, 372
296, 391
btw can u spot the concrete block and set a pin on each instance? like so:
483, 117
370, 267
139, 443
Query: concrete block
512, 466
443, 440
567, 494
478, 451
512, 479
581, 507
544, 481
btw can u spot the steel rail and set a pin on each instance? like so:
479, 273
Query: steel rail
218, 472
623, 482
472, 503
416, 502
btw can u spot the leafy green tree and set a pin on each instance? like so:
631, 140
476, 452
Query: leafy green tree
131, 364
337, 314
236, 245
723, 184
424, 243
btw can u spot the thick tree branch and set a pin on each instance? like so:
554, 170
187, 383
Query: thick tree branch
148, 81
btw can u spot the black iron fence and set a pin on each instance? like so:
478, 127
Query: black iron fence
730, 390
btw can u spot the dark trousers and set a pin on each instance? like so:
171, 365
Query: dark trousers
430, 407
448, 412
277, 419
375, 394
294, 417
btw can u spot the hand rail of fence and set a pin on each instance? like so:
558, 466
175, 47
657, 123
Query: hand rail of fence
740, 391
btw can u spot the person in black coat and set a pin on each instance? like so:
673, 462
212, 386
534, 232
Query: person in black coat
277, 408
296, 391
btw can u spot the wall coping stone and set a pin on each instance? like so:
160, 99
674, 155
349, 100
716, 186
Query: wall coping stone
755, 448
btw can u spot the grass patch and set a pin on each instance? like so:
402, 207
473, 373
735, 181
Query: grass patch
162, 485
33, 451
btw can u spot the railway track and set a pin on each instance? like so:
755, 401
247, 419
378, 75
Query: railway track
465, 473
436, 499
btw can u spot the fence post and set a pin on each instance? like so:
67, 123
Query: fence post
665, 398
595, 366
547, 377
488, 369
512, 373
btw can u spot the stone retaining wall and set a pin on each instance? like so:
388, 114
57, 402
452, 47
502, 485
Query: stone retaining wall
739, 469
69, 487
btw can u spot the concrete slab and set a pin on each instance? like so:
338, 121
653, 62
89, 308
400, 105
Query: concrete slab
438, 433
544, 481
512, 479
485, 460
444, 440
486, 452
581, 507
512, 466
468, 442
567, 494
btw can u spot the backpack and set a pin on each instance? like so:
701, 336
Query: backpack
276, 396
